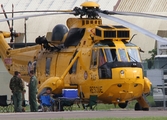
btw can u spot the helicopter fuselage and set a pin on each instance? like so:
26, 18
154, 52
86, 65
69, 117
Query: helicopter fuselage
115, 78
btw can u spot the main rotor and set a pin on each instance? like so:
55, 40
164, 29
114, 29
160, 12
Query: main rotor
89, 9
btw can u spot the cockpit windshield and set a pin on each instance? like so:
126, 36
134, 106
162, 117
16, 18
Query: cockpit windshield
125, 55
102, 55
122, 54
133, 54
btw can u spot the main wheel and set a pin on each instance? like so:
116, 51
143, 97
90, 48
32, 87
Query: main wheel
145, 109
138, 107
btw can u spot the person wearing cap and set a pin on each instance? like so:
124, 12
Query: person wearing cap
32, 92
16, 86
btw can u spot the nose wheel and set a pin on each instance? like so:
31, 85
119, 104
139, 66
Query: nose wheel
123, 105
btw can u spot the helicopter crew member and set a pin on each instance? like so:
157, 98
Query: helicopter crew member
32, 92
16, 86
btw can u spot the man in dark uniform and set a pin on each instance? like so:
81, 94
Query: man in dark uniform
16, 86
32, 92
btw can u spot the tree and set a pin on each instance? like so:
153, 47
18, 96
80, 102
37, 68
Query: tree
150, 61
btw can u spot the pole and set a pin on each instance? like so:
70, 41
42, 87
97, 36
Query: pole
25, 30
163, 87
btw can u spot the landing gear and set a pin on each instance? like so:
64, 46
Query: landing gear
138, 107
123, 105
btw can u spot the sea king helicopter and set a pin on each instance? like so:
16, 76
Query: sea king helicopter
85, 54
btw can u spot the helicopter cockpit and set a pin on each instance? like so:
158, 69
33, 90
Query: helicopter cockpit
107, 57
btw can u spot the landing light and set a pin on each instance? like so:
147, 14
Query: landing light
119, 85
122, 72
135, 85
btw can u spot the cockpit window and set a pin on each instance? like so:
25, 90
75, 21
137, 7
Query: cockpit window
133, 54
101, 57
94, 58
110, 55
122, 54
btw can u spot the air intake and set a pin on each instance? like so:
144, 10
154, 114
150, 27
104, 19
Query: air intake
112, 32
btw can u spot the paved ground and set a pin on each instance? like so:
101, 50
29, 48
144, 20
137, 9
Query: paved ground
81, 114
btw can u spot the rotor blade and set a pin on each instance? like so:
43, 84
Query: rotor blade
5, 15
11, 28
35, 15
137, 14
37, 11
132, 26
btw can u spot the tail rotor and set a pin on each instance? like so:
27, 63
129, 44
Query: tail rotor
13, 34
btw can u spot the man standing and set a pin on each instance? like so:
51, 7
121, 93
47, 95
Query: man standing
23, 92
16, 86
32, 92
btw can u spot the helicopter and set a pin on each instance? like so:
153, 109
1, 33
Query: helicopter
96, 59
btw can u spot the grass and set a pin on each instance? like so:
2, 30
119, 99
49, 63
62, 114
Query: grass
131, 105
102, 106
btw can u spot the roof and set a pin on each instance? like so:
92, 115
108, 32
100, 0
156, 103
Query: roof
161, 56
142, 6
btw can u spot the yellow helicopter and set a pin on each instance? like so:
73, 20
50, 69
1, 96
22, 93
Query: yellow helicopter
96, 59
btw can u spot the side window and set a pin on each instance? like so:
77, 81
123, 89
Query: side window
101, 57
94, 59
47, 68
74, 67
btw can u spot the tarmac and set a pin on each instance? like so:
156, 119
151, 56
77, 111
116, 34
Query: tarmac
83, 114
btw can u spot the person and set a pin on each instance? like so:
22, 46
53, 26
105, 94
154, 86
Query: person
23, 97
49, 93
34, 64
16, 86
46, 100
32, 92
23, 101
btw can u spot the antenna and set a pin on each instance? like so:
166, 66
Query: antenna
132, 37
25, 30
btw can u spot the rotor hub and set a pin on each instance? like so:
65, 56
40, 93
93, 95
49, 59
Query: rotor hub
90, 4
89, 9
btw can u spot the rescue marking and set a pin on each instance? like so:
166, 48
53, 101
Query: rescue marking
96, 89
